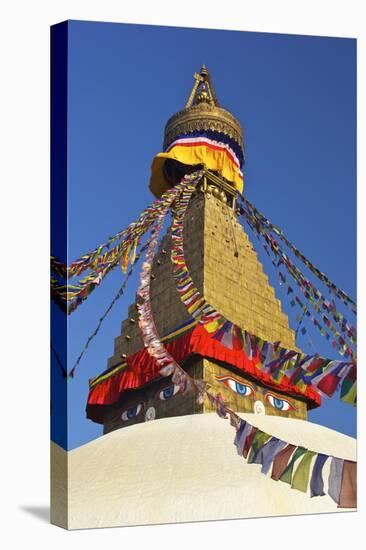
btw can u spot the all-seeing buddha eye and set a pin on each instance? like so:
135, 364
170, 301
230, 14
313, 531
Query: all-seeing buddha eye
279, 403
132, 412
236, 385
167, 392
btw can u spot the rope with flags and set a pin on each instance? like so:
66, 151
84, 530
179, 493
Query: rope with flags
262, 221
118, 295
323, 307
325, 375
299, 369
301, 468
99, 262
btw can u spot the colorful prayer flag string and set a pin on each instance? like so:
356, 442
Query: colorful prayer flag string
99, 262
301, 468
119, 294
310, 292
253, 444
261, 220
150, 336
302, 370
94, 258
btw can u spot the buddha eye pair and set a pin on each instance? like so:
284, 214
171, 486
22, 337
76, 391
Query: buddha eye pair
162, 395
246, 390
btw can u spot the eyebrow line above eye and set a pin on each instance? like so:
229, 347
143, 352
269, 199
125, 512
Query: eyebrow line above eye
241, 382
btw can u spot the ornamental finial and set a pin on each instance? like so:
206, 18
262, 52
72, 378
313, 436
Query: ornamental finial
202, 91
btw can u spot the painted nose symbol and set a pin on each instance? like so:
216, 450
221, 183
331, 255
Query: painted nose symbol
150, 414
259, 408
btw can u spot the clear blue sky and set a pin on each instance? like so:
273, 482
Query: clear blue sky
295, 97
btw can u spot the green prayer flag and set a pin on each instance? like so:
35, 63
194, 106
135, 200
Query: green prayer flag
350, 395
287, 474
301, 476
259, 440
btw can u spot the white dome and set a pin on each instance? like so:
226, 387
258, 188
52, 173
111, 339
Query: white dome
187, 469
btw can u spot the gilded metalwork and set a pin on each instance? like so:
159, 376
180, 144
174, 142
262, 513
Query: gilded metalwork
202, 112
219, 188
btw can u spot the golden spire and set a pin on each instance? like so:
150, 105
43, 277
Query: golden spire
202, 91
203, 112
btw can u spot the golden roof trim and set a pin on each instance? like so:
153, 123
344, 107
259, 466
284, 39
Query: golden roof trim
203, 117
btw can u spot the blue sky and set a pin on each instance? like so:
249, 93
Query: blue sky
296, 99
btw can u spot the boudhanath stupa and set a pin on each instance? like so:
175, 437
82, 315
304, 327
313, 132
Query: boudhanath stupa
165, 455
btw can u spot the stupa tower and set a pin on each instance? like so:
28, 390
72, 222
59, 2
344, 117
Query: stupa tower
225, 269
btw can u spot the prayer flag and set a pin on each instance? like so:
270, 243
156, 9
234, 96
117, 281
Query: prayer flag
335, 478
286, 476
300, 479
281, 460
348, 492
316, 482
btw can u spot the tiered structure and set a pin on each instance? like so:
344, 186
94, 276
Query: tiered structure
224, 267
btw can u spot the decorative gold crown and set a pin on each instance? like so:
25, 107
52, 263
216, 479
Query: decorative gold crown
202, 112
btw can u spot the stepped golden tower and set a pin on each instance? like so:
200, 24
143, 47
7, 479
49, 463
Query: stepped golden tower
225, 269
